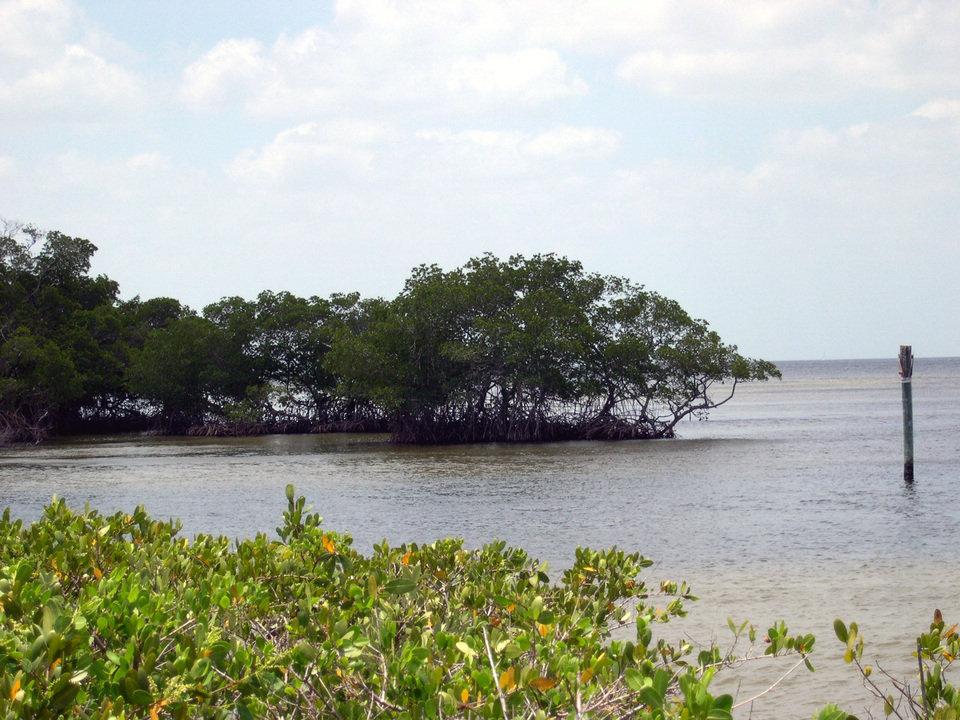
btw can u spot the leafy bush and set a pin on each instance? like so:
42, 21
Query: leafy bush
116, 616
933, 698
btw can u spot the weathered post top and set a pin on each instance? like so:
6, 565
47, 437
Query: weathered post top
906, 363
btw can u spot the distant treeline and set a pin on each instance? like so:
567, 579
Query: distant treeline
527, 349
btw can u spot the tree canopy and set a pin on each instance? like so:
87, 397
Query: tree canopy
534, 349
524, 349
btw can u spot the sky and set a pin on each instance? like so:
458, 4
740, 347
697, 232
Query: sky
788, 170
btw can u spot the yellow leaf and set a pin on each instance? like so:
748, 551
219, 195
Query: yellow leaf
586, 675
950, 632
511, 607
53, 666
464, 695
406, 558
154, 715
587, 568
15, 689
97, 573
542, 683
328, 544
543, 630
507, 679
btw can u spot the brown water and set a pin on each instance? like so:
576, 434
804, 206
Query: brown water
788, 504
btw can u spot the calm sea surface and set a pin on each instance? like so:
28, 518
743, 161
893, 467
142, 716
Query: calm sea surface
787, 504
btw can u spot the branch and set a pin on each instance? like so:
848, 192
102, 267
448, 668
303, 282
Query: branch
778, 681
493, 669
923, 684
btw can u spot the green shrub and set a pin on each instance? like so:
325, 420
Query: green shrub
117, 616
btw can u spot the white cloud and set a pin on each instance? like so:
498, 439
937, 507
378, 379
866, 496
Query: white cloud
45, 75
514, 150
310, 153
678, 72
78, 83
449, 25
8, 166
232, 71
385, 57
573, 142
528, 76
444, 58
31, 29
941, 109
484, 140
149, 161
774, 51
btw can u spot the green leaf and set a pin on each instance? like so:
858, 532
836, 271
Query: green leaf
483, 679
400, 586
635, 679
64, 696
717, 713
536, 607
140, 697
466, 649
200, 668
840, 629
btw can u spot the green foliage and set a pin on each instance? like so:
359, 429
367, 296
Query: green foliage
177, 370
527, 349
61, 345
534, 349
935, 697
116, 616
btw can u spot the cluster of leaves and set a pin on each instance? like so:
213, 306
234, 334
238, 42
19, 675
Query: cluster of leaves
535, 349
247, 363
523, 350
60, 330
933, 698
73, 356
115, 616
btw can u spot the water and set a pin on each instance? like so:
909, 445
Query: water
787, 504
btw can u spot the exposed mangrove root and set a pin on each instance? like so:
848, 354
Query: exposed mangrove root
362, 425
619, 429
247, 429
286, 427
407, 431
16, 427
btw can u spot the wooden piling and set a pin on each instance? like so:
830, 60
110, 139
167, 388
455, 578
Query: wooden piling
906, 385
